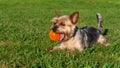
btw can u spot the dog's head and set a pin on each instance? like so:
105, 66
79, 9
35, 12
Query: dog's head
65, 24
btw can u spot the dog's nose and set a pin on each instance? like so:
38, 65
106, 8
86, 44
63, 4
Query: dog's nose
55, 28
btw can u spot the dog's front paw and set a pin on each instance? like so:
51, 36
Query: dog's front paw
51, 50
55, 48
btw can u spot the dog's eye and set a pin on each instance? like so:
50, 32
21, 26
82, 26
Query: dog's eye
54, 23
62, 24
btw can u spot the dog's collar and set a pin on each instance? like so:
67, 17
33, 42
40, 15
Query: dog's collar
75, 30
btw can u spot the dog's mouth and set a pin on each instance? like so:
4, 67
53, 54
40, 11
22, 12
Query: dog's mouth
62, 36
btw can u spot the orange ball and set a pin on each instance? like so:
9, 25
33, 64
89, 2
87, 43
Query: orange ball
54, 36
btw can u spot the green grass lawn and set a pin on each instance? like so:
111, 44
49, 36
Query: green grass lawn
24, 29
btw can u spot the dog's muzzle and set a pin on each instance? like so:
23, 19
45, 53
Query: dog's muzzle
55, 28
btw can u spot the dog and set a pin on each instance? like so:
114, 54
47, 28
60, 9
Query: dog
76, 38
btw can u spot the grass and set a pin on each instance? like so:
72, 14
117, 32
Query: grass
24, 28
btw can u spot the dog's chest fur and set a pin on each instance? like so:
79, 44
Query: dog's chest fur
74, 42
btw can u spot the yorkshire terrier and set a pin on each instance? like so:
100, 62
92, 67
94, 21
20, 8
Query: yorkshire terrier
77, 38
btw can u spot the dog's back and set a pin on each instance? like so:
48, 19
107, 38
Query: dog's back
89, 35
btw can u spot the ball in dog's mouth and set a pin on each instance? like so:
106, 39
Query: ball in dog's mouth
56, 36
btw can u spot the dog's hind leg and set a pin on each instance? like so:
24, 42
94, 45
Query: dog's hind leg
102, 40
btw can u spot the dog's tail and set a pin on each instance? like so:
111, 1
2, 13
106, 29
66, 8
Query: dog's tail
100, 21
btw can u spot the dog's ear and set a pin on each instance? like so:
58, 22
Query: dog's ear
56, 14
74, 17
